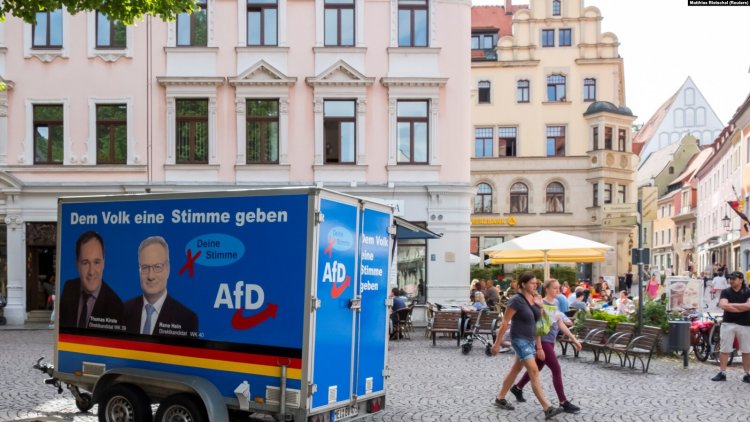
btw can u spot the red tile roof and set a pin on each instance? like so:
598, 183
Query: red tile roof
494, 17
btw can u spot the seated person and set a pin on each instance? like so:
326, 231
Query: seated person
605, 293
491, 295
479, 302
625, 306
579, 302
398, 303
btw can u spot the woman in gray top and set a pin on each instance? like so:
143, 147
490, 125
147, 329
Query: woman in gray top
524, 313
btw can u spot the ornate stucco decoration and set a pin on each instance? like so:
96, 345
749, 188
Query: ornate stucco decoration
340, 73
262, 74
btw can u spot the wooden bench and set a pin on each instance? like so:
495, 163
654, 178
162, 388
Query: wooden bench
592, 330
622, 335
640, 347
446, 322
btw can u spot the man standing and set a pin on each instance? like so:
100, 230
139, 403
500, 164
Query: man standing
87, 301
735, 301
155, 312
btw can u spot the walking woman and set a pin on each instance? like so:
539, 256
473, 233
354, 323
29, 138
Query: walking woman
552, 289
524, 313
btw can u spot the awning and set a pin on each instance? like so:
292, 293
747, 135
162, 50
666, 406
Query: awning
406, 230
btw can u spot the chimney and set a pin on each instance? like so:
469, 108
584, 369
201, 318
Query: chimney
508, 7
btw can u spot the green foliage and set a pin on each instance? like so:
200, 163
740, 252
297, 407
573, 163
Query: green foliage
563, 274
538, 272
125, 11
581, 317
489, 273
612, 320
654, 314
479, 273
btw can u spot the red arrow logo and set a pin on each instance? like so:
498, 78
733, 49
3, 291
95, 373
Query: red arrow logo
329, 249
189, 265
337, 291
240, 322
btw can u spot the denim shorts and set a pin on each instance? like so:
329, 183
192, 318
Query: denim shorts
524, 348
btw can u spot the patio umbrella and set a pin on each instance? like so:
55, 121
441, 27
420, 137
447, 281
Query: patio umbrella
474, 260
547, 246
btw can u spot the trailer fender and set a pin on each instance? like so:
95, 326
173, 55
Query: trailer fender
212, 399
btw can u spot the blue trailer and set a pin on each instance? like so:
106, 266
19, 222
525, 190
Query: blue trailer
218, 305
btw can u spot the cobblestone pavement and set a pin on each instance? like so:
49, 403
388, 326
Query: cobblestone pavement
440, 384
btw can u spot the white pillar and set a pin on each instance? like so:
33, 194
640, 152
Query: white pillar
15, 311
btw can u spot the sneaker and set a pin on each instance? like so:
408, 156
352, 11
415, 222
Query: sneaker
720, 377
569, 407
746, 378
518, 393
552, 411
503, 404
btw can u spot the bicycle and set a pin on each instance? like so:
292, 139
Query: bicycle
715, 341
700, 335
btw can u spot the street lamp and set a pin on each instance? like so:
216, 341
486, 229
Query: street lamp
726, 221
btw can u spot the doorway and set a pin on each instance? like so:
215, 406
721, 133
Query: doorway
40, 263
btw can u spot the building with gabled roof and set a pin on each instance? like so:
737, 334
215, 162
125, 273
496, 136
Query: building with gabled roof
686, 112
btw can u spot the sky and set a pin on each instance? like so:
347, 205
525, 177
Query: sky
662, 42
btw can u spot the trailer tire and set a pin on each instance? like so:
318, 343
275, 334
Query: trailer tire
124, 403
86, 402
181, 408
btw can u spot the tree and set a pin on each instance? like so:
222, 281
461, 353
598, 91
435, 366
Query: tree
125, 11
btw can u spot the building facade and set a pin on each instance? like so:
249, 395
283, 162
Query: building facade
362, 96
552, 135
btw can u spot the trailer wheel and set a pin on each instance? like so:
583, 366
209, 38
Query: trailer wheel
124, 403
182, 408
86, 402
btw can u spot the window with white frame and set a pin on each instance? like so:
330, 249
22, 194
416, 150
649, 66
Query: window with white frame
621, 193
483, 142
555, 141
507, 141
589, 89
555, 198
412, 125
484, 88
556, 88
483, 199
608, 193
519, 198
262, 22
192, 28
522, 91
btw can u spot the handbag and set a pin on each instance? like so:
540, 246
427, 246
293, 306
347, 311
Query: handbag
544, 324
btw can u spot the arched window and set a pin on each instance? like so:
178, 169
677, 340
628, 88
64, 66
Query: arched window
522, 91
555, 197
556, 87
484, 92
519, 198
483, 199
555, 7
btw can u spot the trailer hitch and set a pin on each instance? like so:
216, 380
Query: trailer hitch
48, 369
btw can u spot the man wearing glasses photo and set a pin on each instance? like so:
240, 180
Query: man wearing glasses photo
155, 312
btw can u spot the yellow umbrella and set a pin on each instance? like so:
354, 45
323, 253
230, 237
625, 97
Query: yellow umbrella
547, 246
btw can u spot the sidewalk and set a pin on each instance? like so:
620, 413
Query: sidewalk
29, 326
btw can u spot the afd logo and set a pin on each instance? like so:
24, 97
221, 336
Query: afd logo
342, 238
335, 272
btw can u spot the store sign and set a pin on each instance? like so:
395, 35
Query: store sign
494, 221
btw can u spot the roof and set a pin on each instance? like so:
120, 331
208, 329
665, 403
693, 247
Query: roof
606, 106
494, 18
655, 163
648, 129
695, 163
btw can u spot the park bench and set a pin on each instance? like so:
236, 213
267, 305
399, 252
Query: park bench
640, 347
446, 322
592, 330
622, 335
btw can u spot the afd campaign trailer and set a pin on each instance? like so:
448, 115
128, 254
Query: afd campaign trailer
218, 305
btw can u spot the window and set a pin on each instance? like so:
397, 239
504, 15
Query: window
519, 198
564, 37
483, 199
555, 141
111, 133
484, 92
262, 131
411, 123
192, 28
555, 88
656, 238
412, 23
47, 32
340, 131
589, 89
595, 136
621, 139
596, 194
48, 134
483, 142
621, 193
109, 34
607, 137
548, 37
522, 93
507, 141
555, 7
555, 197
262, 22
192, 131
607, 193
339, 23
483, 41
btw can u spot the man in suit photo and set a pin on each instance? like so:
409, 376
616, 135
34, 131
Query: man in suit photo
155, 311
87, 301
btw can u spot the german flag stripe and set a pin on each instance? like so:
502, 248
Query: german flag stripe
178, 355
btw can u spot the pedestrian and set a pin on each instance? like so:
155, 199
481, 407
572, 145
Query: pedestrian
735, 301
523, 313
652, 288
551, 289
719, 283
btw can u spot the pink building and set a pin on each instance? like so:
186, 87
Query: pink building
366, 97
